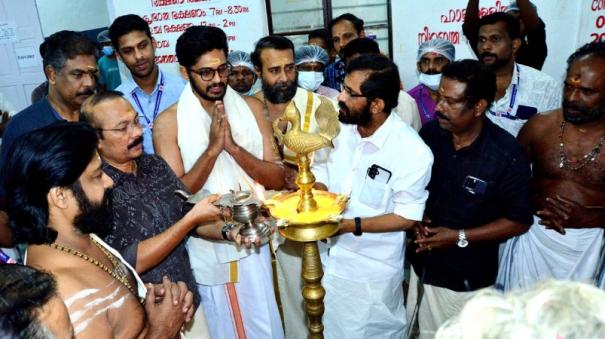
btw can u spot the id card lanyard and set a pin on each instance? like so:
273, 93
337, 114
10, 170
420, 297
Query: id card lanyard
513, 98
156, 109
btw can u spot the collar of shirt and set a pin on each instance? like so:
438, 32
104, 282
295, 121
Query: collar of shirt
477, 145
379, 137
511, 97
131, 86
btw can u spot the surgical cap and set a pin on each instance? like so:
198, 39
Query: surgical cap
514, 7
103, 36
240, 58
439, 46
311, 53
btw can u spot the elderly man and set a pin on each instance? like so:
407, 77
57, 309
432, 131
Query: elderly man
150, 91
242, 77
217, 140
59, 207
364, 265
479, 195
521, 91
564, 146
311, 61
149, 227
432, 56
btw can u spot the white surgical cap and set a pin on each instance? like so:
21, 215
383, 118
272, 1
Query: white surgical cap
103, 36
311, 53
439, 46
240, 58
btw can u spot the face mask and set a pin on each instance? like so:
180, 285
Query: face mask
430, 80
310, 80
107, 50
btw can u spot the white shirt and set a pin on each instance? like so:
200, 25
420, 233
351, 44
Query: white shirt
535, 90
408, 110
396, 147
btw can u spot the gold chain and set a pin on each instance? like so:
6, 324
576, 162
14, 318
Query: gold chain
122, 278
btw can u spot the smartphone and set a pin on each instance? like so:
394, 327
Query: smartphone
474, 185
379, 174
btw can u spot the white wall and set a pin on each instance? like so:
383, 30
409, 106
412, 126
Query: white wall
564, 19
75, 15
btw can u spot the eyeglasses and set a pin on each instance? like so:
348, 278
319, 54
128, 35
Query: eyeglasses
207, 73
126, 129
351, 94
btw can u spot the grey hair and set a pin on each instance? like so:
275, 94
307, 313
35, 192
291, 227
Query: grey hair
553, 309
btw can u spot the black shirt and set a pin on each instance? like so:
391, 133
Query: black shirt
144, 205
471, 187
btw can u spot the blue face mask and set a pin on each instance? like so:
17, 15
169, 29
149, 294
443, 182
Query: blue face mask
107, 50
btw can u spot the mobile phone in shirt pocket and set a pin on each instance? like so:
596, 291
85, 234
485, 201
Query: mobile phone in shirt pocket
374, 194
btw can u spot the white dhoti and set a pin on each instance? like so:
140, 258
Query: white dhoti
542, 253
244, 309
236, 284
438, 304
361, 310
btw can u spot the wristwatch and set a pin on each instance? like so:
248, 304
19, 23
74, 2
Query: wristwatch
462, 242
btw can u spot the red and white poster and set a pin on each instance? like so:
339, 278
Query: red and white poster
244, 22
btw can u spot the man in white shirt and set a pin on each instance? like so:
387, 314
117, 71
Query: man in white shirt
521, 91
364, 266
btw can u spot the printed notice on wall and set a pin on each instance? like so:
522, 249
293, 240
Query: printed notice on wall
244, 22
8, 32
26, 57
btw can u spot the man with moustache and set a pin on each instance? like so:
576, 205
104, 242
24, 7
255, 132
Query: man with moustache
149, 227
217, 140
243, 77
59, 206
364, 265
521, 91
479, 195
432, 56
274, 60
150, 91
343, 29
564, 147
70, 66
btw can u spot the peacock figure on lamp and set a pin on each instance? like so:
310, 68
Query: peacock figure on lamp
307, 216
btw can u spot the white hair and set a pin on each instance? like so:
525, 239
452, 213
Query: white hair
551, 310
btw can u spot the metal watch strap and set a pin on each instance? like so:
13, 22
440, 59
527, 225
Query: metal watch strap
462, 242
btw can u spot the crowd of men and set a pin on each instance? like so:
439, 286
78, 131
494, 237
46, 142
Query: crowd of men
487, 175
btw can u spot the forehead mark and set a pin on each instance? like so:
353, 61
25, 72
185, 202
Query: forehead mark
575, 80
214, 61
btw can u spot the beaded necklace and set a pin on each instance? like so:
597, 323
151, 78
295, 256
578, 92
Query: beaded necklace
571, 165
122, 277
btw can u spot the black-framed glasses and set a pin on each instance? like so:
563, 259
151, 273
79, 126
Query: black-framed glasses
127, 128
207, 73
352, 94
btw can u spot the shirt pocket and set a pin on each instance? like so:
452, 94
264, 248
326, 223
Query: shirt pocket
374, 194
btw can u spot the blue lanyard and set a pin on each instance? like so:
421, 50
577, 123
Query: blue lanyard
158, 100
424, 110
513, 98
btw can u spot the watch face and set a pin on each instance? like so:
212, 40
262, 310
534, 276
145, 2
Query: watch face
462, 243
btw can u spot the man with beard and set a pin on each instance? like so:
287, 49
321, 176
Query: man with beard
274, 60
148, 226
479, 194
150, 91
70, 65
59, 207
364, 266
522, 91
216, 140
564, 146
432, 56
